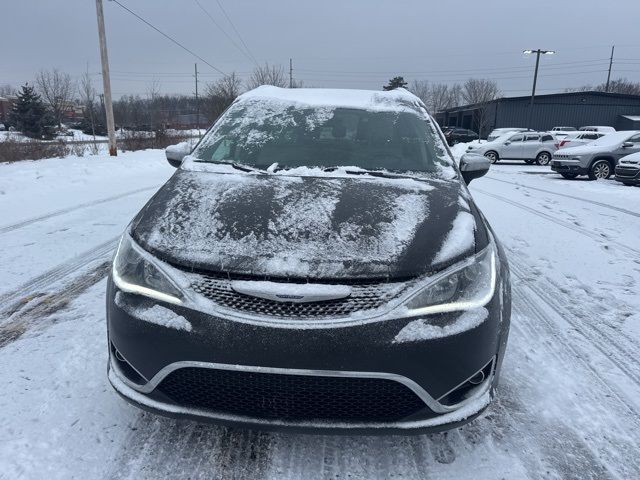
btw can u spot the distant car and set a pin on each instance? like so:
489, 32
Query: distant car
497, 132
597, 128
459, 135
628, 170
2, 127
561, 132
575, 139
598, 158
528, 146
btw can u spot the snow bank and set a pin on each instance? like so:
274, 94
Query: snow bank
422, 330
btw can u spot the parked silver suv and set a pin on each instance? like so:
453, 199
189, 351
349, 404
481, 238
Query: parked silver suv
529, 146
598, 158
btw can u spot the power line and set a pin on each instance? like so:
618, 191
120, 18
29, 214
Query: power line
223, 30
224, 12
167, 36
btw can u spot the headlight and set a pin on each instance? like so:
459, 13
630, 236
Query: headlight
469, 284
135, 272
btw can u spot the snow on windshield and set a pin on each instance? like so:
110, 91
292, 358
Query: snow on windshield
327, 128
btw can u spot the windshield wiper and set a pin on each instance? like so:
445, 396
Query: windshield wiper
373, 173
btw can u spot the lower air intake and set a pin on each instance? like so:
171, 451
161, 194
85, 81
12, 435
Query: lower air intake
291, 397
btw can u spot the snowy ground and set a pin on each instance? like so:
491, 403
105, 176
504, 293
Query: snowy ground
568, 403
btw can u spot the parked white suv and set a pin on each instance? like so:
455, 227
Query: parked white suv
528, 146
598, 158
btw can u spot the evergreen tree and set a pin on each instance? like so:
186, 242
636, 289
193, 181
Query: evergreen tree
395, 82
30, 116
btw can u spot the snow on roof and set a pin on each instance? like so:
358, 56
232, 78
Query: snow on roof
345, 98
634, 118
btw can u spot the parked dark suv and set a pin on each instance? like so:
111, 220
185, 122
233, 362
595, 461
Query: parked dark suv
317, 262
459, 135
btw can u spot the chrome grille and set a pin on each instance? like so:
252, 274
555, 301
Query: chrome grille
364, 297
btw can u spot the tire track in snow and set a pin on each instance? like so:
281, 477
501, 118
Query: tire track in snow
564, 223
585, 200
62, 211
34, 313
547, 445
621, 351
34, 287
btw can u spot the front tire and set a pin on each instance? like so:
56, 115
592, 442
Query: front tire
600, 170
543, 158
492, 156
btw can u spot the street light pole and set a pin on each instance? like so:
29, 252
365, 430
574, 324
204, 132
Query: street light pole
538, 52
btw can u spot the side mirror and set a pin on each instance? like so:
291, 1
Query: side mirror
175, 153
627, 144
473, 166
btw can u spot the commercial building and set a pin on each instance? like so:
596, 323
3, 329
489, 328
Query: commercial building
573, 109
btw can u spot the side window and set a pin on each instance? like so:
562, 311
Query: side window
516, 138
591, 136
634, 139
547, 138
532, 138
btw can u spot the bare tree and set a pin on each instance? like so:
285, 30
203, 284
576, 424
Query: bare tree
441, 96
479, 92
422, 90
88, 99
7, 91
57, 90
220, 94
619, 85
153, 113
267, 75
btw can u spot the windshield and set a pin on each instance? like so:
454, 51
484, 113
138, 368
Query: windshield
263, 132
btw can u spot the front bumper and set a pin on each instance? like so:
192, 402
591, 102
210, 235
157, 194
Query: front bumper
629, 175
430, 369
574, 168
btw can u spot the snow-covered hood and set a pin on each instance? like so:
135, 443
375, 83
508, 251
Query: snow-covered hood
316, 227
633, 159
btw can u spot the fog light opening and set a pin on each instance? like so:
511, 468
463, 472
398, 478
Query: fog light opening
477, 379
119, 356
468, 388
125, 368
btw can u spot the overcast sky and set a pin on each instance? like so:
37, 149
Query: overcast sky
333, 43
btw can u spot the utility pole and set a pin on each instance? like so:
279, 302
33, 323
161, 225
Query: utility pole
106, 81
610, 65
290, 73
197, 101
538, 52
